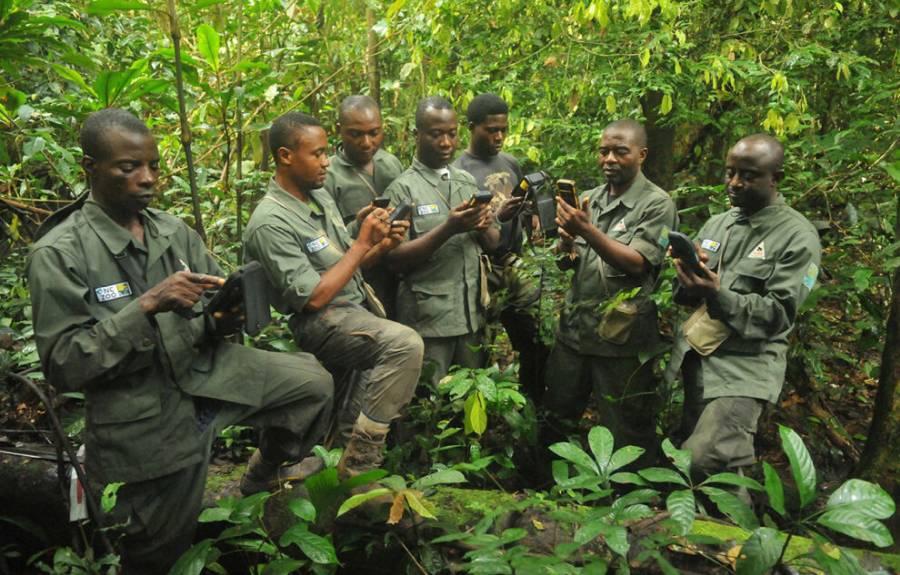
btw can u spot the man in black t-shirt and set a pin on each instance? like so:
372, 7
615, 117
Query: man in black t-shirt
499, 173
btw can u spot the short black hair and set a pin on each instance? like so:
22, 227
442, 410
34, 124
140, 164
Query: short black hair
92, 137
430, 103
484, 105
636, 128
282, 134
356, 102
773, 147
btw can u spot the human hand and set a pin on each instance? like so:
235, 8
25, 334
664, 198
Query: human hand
466, 217
574, 221
180, 290
364, 212
396, 235
509, 208
699, 286
374, 227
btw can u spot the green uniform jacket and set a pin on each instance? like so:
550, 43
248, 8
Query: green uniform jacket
440, 298
640, 218
138, 373
352, 188
770, 265
296, 242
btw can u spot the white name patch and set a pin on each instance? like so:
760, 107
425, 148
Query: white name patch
427, 209
710, 245
317, 245
112, 292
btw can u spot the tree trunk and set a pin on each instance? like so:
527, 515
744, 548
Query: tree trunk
372, 57
659, 166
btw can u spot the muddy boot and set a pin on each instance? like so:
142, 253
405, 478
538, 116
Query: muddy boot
365, 452
262, 475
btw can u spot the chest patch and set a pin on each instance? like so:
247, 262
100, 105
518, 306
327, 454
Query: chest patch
427, 209
317, 245
112, 292
710, 245
759, 252
620, 226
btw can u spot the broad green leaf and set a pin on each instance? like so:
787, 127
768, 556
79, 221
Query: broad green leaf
624, 456
109, 85
680, 505
734, 508
617, 539
611, 104
208, 45
110, 496
666, 105
73, 76
360, 498
441, 477
802, 467
416, 503
662, 475
576, 455
759, 553
774, 488
214, 514
364, 479
283, 566
867, 498
590, 531
303, 508
600, 441
104, 7
733, 479
196, 558
627, 477
475, 410
680, 458
855, 523
316, 547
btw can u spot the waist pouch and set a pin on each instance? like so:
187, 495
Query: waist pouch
703, 333
617, 322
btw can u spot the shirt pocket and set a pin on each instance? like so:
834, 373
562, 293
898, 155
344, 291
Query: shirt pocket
750, 276
424, 223
434, 301
125, 400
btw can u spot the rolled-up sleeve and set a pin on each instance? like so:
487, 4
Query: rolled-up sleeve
286, 265
656, 220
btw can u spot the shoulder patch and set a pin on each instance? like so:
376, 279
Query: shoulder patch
318, 244
812, 272
663, 240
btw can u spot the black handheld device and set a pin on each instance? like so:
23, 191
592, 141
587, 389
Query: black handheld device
566, 190
481, 197
683, 249
244, 287
529, 184
400, 213
382, 203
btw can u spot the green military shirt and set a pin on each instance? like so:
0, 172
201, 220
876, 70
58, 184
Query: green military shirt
640, 218
296, 242
138, 373
440, 298
767, 265
353, 188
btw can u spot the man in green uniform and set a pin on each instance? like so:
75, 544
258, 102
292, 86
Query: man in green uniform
616, 241
443, 284
498, 172
761, 261
115, 289
358, 173
313, 266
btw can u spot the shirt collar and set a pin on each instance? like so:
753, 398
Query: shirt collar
115, 237
341, 158
296, 205
630, 197
429, 174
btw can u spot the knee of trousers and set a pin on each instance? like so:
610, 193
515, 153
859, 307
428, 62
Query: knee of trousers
405, 346
320, 389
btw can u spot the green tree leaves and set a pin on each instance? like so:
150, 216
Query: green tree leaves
802, 467
208, 45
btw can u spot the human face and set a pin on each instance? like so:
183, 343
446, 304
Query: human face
750, 182
488, 136
124, 181
620, 157
361, 134
305, 164
436, 140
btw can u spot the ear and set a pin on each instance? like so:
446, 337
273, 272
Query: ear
471, 126
284, 156
88, 164
777, 176
643, 154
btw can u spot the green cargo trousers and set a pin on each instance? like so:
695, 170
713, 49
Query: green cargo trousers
159, 515
625, 391
347, 336
463, 350
721, 429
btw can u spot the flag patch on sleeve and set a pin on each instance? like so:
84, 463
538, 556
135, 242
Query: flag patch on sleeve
710, 245
112, 292
317, 245
812, 272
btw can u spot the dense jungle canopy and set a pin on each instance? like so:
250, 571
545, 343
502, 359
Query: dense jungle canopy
821, 76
